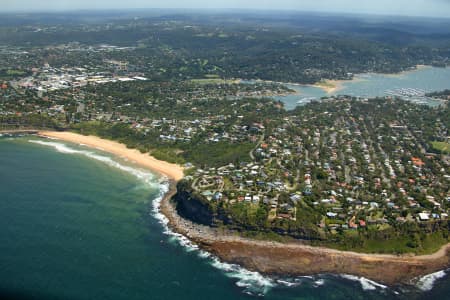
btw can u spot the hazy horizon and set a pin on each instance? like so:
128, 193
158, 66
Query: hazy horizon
430, 8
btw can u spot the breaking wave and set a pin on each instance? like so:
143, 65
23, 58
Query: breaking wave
427, 282
366, 284
147, 177
314, 281
253, 283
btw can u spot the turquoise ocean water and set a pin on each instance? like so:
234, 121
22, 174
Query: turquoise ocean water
76, 223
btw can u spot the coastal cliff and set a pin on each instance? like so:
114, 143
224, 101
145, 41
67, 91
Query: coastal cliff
401, 238
268, 257
295, 258
191, 206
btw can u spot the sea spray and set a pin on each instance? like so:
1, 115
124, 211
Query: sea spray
253, 283
319, 282
426, 283
366, 284
313, 281
147, 177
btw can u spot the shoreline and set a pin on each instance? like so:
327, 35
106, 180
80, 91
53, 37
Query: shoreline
417, 68
331, 86
19, 131
267, 257
173, 171
297, 259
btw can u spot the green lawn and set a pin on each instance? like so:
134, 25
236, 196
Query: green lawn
442, 146
398, 245
15, 72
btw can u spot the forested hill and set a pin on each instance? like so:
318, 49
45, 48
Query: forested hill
288, 47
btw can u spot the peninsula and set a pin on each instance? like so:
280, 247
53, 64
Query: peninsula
342, 184
269, 257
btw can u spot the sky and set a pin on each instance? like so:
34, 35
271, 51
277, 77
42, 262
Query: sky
430, 8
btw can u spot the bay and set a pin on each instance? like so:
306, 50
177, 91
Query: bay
426, 79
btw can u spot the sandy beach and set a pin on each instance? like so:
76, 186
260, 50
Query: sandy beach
331, 86
173, 171
296, 259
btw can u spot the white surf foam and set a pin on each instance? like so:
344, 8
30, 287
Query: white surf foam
145, 176
366, 284
289, 282
319, 282
252, 282
427, 282
314, 281
58, 146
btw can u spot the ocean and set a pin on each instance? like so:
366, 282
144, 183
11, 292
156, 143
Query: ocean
77, 223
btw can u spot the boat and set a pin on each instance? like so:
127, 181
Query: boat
406, 92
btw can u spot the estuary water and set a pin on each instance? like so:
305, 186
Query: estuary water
410, 85
76, 223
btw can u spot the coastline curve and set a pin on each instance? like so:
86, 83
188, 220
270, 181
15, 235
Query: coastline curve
273, 258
